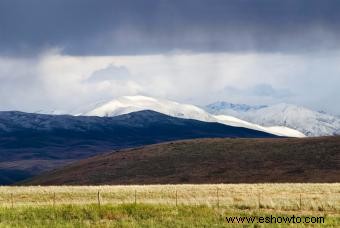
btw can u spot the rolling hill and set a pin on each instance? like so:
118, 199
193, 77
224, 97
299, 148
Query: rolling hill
33, 143
307, 160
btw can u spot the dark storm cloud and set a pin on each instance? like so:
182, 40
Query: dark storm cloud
109, 27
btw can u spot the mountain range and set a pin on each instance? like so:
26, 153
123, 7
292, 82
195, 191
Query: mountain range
32, 143
279, 119
128, 104
309, 122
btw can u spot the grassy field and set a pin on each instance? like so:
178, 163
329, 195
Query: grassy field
165, 205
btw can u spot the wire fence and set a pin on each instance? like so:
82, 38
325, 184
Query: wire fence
213, 197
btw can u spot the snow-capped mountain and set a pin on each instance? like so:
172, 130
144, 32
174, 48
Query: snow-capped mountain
309, 122
128, 104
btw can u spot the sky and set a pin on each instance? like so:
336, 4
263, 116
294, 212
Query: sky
70, 54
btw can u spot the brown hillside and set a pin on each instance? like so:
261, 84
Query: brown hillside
208, 161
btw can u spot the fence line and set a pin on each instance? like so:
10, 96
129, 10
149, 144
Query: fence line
222, 198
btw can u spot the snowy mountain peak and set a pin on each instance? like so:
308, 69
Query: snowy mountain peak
128, 104
309, 122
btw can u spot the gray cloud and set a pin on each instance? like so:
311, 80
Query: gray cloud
256, 94
58, 82
111, 27
110, 73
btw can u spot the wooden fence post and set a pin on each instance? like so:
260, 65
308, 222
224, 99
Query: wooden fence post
176, 198
135, 196
12, 203
218, 198
98, 198
54, 199
300, 201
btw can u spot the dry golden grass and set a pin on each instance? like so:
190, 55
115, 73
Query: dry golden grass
279, 197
